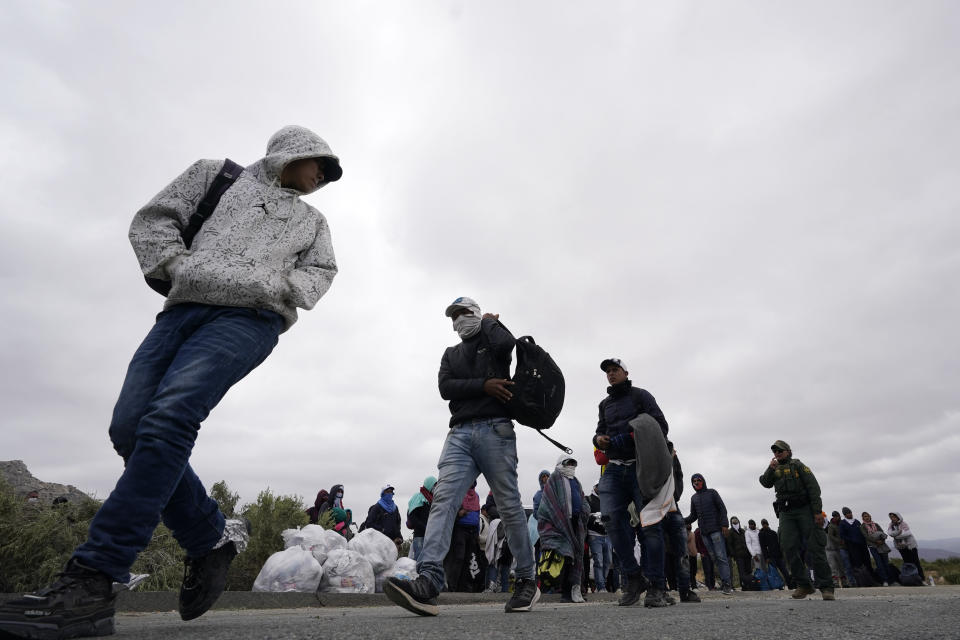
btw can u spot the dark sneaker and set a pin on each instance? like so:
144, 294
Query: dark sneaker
726, 590
689, 596
827, 594
635, 586
802, 592
525, 595
656, 598
418, 596
79, 604
205, 578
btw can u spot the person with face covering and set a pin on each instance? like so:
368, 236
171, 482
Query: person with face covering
384, 516
752, 537
562, 525
737, 551
334, 499
475, 378
261, 255
314, 512
418, 512
904, 541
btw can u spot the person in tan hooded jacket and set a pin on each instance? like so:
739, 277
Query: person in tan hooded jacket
261, 254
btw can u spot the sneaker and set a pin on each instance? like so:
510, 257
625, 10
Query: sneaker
525, 595
418, 596
827, 594
79, 604
802, 592
635, 586
689, 596
205, 578
655, 598
727, 590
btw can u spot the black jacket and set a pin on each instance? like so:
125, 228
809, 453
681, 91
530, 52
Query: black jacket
707, 506
387, 523
770, 544
466, 366
417, 520
623, 403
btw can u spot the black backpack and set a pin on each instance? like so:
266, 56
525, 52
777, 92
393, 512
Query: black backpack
538, 386
227, 176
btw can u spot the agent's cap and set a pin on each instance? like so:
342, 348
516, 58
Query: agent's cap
462, 302
780, 445
613, 362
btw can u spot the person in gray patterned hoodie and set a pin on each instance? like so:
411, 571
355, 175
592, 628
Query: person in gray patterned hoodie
262, 254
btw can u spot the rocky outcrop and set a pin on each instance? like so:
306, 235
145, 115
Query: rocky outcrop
16, 474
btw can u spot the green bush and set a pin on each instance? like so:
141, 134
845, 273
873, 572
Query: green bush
37, 540
268, 516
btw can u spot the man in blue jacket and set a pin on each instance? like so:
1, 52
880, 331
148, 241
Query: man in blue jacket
618, 486
707, 506
474, 377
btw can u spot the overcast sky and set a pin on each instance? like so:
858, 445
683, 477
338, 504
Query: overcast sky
754, 204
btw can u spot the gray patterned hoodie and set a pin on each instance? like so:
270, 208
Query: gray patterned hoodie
262, 248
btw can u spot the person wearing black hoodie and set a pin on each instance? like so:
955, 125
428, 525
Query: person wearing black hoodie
707, 506
314, 512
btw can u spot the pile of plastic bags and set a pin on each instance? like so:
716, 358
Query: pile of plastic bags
317, 559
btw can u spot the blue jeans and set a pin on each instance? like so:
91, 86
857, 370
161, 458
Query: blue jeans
487, 446
882, 564
675, 529
717, 546
184, 366
617, 488
417, 548
848, 567
602, 557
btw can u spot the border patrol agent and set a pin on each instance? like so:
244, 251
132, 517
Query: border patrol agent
799, 509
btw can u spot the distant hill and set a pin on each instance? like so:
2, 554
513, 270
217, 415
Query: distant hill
16, 474
938, 549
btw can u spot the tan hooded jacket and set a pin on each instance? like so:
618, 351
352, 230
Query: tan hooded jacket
262, 248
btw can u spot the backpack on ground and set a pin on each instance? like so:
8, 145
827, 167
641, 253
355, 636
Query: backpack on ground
228, 174
773, 577
864, 577
761, 580
910, 575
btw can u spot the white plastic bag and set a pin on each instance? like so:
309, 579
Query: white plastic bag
293, 569
377, 548
403, 568
314, 538
347, 571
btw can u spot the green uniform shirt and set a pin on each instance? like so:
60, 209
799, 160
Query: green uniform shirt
793, 479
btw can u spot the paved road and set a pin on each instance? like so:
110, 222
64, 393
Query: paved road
875, 614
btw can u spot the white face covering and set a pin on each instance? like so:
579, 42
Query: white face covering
467, 326
567, 471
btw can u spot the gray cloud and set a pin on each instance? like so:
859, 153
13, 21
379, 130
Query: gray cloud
754, 206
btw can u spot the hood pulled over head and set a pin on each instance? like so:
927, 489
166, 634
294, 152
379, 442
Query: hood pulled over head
699, 477
295, 143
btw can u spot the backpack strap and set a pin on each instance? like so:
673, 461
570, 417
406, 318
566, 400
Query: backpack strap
558, 445
227, 176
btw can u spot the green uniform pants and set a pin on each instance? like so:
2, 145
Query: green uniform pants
796, 526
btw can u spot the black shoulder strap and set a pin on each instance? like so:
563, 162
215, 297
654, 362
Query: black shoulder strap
227, 176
